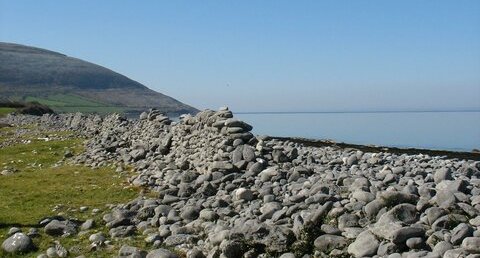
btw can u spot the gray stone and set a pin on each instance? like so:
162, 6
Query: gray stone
269, 209
222, 166
373, 207
386, 248
366, 244
162, 210
278, 239
248, 153
329, 242
51, 252
330, 230
471, 245
444, 222
460, 232
161, 253
318, 215
455, 253
58, 228
190, 213
441, 247
442, 174
401, 235
208, 215
452, 186
279, 156
232, 122
138, 154
237, 154
97, 238
178, 239
268, 173
351, 160
347, 220
434, 213
195, 253
287, 255
60, 250
233, 249
18, 243
256, 168
393, 220
13, 230
33, 232
122, 231
415, 243
475, 221
130, 252
360, 183
445, 199
392, 198
352, 233
88, 224
363, 196
244, 194
152, 238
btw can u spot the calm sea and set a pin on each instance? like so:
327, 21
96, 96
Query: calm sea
459, 131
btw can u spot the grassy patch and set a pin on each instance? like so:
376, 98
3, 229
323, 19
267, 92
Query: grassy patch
43, 181
4, 111
74, 103
62, 100
98, 109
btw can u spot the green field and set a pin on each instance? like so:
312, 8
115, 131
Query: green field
74, 103
41, 183
4, 111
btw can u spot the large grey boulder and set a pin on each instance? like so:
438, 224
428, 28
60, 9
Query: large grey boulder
58, 228
18, 243
395, 219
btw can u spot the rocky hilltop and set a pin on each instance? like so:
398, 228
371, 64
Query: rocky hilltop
223, 192
66, 83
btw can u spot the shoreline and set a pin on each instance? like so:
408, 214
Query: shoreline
377, 148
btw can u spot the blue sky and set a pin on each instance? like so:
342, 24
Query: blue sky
271, 55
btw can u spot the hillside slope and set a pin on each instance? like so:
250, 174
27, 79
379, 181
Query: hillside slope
70, 84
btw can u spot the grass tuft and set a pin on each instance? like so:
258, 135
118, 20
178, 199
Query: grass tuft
44, 184
5, 111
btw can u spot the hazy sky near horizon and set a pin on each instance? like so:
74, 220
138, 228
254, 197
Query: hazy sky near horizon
271, 55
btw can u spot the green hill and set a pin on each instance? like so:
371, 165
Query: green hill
69, 84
